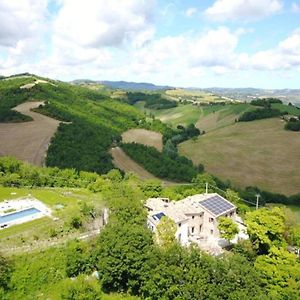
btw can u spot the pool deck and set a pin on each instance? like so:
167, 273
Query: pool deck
8, 207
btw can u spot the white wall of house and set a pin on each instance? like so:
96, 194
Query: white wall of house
195, 224
182, 233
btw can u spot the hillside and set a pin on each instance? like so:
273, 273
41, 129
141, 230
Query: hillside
94, 120
259, 153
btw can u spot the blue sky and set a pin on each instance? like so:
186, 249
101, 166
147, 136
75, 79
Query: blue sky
192, 43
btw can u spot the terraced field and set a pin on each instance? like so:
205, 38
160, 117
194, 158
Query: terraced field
259, 153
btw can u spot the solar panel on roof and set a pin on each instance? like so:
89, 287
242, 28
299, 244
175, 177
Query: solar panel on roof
158, 216
217, 205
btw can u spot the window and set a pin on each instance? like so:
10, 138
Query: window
192, 229
200, 228
179, 237
211, 220
211, 231
179, 224
193, 217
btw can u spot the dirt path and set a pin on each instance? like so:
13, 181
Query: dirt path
27, 141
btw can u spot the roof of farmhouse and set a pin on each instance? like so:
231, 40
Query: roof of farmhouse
192, 205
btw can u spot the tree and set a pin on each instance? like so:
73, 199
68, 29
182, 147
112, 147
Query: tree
5, 272
228, 228
122, 254
201, 179
280, 272
266, 228
82, 288
234, 197
76, 222
165, 232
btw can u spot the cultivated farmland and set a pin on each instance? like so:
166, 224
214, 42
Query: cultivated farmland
28, 141
143, 136
259, 153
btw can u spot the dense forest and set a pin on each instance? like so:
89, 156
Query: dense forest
128, 261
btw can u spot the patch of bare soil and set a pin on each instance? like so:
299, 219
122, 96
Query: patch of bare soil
143, 136
28, 141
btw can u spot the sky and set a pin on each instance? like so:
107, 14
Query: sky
183, 43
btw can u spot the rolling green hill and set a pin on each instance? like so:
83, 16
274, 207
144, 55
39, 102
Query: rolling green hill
94, 120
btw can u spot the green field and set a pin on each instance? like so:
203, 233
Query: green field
70, 200
292, 110
205, 117
259, 153
218, 116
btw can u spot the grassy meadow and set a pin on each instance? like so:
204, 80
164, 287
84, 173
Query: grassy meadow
259, 153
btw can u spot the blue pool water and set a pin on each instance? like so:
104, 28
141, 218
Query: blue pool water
18, 215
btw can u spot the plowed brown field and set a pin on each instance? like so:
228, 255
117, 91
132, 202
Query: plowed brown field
27, 141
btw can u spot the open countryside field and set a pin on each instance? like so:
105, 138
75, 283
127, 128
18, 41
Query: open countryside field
64, 203
28, 141
192, 95
182, 114
204, 117
259, 153
143, 136
218, 116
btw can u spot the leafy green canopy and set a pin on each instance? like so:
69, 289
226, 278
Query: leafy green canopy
228, 228
160, 164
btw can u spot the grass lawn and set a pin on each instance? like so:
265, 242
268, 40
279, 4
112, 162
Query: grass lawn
259, 153
40, 229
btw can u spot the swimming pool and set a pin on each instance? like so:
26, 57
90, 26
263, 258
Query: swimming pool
18, 215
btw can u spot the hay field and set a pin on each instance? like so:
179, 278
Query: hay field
143, 136
28, 141
259, 153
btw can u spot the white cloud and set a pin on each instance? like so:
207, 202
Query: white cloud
98, 23
295, 8
191, 11
20, 20
245, 10
284, 57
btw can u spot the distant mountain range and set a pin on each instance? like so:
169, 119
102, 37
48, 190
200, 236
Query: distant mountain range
125, 85
247, 94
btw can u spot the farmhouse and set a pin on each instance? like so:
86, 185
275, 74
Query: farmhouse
196, 217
